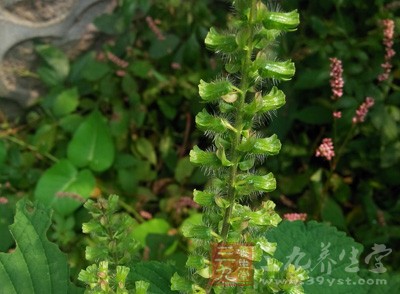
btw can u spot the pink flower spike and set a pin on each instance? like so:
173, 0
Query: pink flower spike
362, 110
326, 149
388, 33
336, 80
337, 114
295, 216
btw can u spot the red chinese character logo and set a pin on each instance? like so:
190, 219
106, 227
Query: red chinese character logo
232, 264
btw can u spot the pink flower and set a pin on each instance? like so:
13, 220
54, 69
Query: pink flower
116, 60
336, 80
295, 216
3, 200
145, 214
362, 110
337, 114
120, 73
153, 26
326, 149
388, 33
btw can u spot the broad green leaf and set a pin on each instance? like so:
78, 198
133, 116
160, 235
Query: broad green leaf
94, 70
146, 150
6, 219
66, 102
161, 48
140, 68
316, 115
36, 265
92, 144
45, 137
153, 226
332, 213
183, 169
64, 188
3, 152
56, 59
157, 274
325, 252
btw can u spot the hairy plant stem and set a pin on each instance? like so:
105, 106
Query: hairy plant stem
244, 85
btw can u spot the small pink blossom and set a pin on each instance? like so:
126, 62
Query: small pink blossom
176, 65
153, 26
362, 110
326, 149
388, 33
3, 200
116, 60
145, 214
337, 114
120, 73
336, 80
295, 216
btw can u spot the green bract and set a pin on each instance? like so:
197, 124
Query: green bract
277, 70
282, 21
221, 42
213, 91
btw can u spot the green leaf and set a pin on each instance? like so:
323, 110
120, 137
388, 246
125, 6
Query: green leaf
36, 265
112, 24
157, 274
184, 169
140, 68
161, 48
66, 102
213, 91
315, 114
95, 70
153, 226
311, 239
6, 219
56, 59
45, 137
332, 213
92, 144
64, 188
146, 150
3, 152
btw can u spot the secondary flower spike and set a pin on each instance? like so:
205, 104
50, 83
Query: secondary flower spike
362, 111
336, 80
295, 216
388, 32
326, 149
